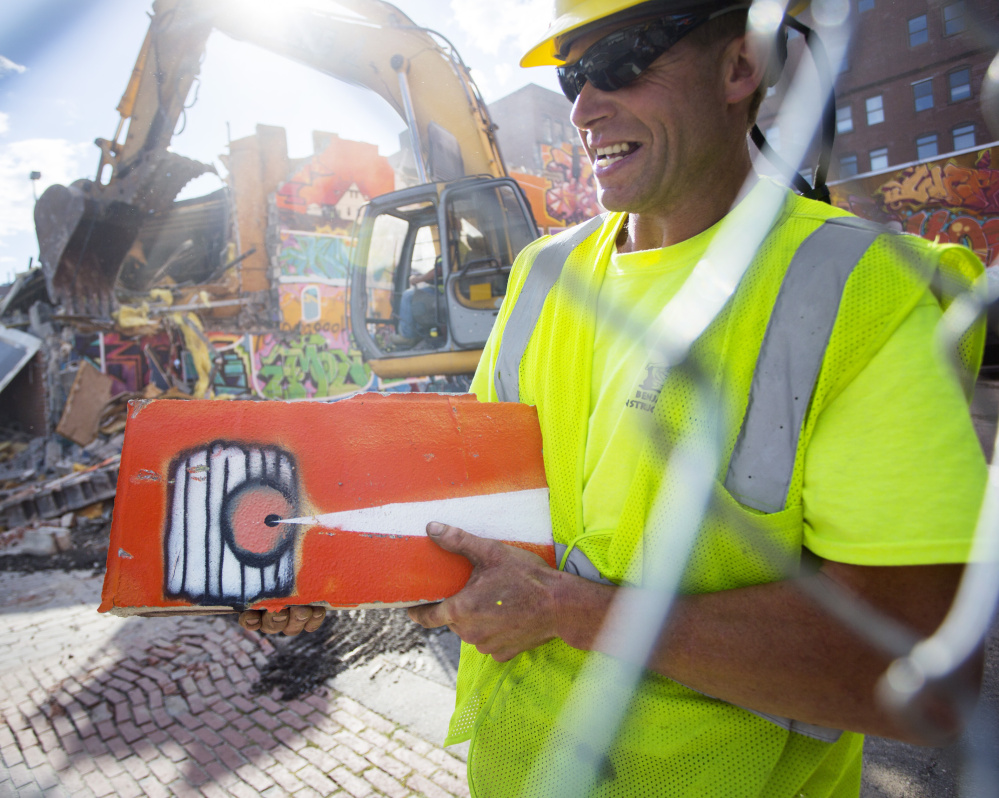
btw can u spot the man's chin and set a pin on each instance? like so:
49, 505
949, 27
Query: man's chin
611, 203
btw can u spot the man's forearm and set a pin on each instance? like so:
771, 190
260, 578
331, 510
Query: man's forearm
771, 648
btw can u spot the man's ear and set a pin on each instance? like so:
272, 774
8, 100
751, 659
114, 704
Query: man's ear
744, 64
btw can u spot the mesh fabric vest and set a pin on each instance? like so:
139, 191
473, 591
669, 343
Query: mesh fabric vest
675, 741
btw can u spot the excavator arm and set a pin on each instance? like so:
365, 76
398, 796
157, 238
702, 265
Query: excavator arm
85, 230
414, 69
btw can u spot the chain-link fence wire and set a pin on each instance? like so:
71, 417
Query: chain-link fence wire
639, 613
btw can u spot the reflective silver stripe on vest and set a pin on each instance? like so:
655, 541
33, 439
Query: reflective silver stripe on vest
794, 345
579, 564
525, 314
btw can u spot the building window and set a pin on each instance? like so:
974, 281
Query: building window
844, 119
875, 110
865, 5
964, 137
917, 31
960, 84
546, 130
926, 147
954, 18
847, 166
879, 159
922, 92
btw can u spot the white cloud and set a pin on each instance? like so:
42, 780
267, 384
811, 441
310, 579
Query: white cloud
8, 67
517, 23
59, 161
4, 122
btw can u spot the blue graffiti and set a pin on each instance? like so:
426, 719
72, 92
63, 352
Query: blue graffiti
313, 256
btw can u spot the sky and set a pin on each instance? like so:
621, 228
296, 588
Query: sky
65, 63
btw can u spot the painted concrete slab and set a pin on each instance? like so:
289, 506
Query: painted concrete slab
227, 505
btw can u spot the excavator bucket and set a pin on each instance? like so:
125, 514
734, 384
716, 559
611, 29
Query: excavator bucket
85, 230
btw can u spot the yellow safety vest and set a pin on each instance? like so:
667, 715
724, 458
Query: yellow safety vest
674, 741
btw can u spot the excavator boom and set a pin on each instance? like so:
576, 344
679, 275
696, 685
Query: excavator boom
85, 230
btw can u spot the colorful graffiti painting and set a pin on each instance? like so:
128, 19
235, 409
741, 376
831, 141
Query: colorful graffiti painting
133, 362
315, 190
953, 200
310, 366
313, 307
313, 254
218, 544
572, 196
231, 360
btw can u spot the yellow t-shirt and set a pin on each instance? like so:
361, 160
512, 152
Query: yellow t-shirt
869, 497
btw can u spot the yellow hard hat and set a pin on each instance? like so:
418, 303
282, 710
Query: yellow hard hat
576, 15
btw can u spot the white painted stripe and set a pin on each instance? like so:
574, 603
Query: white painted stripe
520, 516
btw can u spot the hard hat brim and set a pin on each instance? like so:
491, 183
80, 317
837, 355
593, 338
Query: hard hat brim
591, 13
545, 52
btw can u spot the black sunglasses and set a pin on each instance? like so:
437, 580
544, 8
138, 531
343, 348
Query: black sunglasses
620, 57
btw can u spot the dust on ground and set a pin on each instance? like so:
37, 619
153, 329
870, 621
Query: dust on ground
347, 639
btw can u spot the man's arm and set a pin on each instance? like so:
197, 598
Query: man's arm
418, 279
767, 647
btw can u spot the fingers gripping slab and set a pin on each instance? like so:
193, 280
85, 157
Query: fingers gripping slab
506, 607
289, 621
478, 551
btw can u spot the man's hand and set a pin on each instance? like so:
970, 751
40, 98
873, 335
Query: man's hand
509, 603
289, 621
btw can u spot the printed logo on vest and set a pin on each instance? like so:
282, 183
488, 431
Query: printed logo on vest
647, 392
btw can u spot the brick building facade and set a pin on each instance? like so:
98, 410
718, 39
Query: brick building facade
909, 86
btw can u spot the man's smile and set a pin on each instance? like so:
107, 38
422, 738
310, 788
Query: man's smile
605, 156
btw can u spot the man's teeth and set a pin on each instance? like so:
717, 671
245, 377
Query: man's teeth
614, 152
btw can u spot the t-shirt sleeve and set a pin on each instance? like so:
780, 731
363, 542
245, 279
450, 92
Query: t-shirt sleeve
894, 473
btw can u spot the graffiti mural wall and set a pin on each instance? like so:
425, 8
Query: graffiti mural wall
307, 366
330, 185
952, 199
305, 255
565, 192
572, 197
233, 367
132, 362
311, 356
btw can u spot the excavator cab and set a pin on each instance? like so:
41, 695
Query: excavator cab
429, 271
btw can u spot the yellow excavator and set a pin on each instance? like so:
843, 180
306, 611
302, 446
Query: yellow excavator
456, 232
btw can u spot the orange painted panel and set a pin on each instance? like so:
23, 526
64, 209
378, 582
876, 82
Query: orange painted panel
206, 490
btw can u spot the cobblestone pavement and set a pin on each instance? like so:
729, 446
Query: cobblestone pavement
93, 705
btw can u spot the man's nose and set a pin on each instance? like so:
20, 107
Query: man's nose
590, 105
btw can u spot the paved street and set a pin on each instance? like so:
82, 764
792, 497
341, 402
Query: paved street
94, 705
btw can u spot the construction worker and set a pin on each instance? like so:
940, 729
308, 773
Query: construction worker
869, 481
